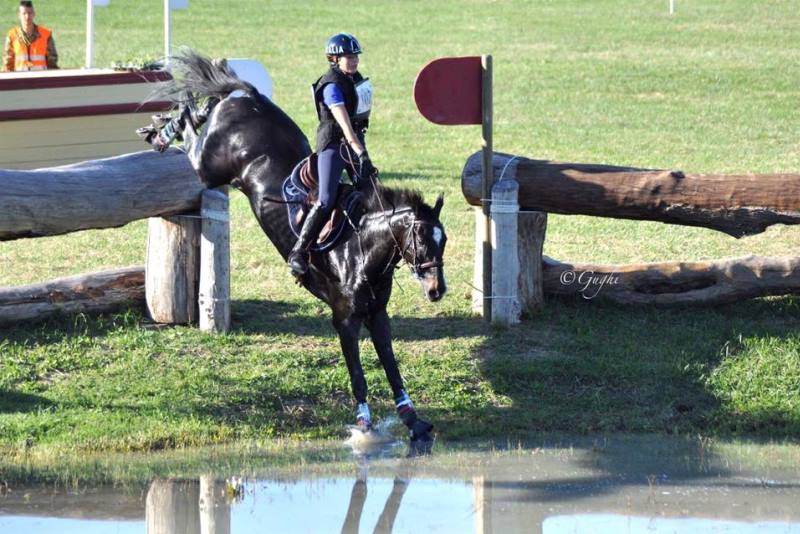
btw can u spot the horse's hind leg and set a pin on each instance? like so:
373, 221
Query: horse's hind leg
193, 144
381, 334
192, 119
349, 328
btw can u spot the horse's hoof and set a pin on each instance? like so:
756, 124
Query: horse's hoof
363, 425
146, 132
420, 430
421, 446
160, 119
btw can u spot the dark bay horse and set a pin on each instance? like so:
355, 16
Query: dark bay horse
250, 143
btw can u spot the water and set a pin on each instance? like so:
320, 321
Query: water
619, 484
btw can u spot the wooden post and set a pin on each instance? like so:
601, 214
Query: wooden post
487, 172
531, 228
477, 272
172, 269
215, 260
505, 259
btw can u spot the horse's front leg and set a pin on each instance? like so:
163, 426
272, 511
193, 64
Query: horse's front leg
348, 328
381, 333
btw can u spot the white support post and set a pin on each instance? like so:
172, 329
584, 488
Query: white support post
215, 263
506, 308
167, 30
89, 33
90, 5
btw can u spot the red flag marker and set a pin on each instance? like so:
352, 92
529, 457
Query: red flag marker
458, 90
448, 90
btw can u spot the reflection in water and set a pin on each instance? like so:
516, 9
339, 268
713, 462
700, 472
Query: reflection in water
615, 524
358, 496
188, 506
623, 485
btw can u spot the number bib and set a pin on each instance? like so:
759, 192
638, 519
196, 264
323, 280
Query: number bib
364, 97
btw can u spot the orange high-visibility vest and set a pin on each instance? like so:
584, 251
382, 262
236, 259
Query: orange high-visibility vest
33, 57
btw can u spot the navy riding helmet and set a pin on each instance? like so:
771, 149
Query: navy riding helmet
342, 44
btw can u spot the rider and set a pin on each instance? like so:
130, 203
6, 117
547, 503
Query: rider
343, 99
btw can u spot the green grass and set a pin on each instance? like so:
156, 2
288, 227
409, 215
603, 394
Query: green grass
711, 89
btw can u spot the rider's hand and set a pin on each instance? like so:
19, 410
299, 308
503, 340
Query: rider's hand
365, 164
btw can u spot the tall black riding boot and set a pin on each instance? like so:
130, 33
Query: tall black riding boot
315, 220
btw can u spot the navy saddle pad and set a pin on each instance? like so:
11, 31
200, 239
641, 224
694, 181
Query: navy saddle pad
296, 195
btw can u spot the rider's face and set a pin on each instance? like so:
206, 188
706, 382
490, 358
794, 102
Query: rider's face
348, 63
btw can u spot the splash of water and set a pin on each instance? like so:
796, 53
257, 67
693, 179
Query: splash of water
379, 435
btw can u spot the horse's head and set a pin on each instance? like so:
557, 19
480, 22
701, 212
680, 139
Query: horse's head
424, 244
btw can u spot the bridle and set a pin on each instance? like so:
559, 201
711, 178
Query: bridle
417, 268
409, 246
413, 229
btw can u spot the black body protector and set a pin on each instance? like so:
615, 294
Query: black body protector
357, 92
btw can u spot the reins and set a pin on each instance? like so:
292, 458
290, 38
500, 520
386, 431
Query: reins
412, 226
417, 268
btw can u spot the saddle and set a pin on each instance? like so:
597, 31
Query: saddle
300, 191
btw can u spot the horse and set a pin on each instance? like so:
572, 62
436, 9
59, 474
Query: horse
253, 145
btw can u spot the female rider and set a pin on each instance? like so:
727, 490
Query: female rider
343, 99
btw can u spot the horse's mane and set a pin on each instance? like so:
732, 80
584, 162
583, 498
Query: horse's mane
381, 197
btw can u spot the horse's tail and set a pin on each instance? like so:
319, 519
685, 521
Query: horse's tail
201, 76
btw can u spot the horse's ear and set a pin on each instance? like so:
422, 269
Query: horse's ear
437, 208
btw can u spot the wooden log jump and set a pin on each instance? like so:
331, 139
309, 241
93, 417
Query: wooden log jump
102, 193
671, 283
110, 193
737, 205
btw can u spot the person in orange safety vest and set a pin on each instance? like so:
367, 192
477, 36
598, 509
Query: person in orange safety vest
28, 46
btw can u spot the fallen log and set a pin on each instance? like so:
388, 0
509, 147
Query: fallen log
85, 293
671, 283
102, 193
737, 205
